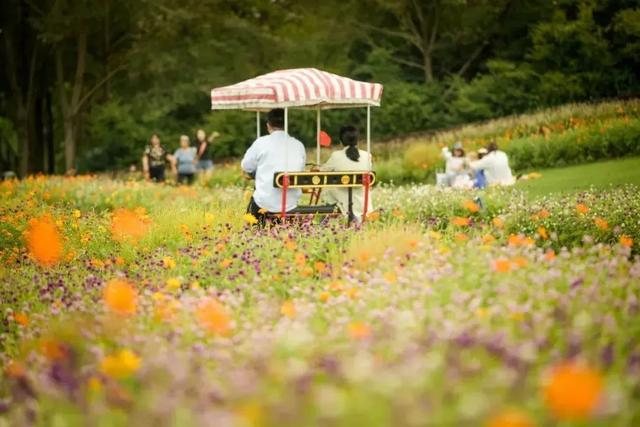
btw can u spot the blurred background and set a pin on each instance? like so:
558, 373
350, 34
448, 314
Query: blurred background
83, 84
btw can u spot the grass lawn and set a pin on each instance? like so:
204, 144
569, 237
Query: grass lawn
581, 177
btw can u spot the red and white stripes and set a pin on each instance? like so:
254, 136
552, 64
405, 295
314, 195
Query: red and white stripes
301, 87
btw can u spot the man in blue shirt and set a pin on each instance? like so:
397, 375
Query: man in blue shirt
275, 152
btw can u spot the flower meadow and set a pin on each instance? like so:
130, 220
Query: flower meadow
129, 304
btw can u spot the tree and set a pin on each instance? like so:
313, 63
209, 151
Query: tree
448, 34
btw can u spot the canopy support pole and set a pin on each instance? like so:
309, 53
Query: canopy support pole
369, 134
257, 124
318, 130
286, 120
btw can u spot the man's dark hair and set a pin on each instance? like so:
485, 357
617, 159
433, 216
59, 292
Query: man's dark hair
492, 146
275, 118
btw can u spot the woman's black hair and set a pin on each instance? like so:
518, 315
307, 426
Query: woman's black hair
349, 138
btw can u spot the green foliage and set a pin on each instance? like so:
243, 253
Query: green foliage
150, 66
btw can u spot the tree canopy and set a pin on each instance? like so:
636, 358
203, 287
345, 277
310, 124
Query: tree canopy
85, 82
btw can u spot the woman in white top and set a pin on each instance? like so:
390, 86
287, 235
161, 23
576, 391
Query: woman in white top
457, 167
348, 159
496, 167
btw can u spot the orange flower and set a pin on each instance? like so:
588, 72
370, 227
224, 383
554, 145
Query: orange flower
324, 296
359, 330
573, 391
225, 263
516, 240
212, 316
471, 206
461, 237
291, 245
542, 232
510, 418
550, 255
15, 369
626, 241
288, 309
520, 261
373, 216
488, 239
544, 213
498, 222
53, 349
390, 277
120, 297
461, 221
320, 266
44, 241
300, 259
582, 208
128, 225
601, 223
502, 265
21, 318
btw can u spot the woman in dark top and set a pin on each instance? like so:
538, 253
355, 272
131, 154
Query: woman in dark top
205, 158
154, 159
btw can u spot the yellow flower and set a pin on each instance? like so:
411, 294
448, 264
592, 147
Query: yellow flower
208, 218
77, 213
324, 296
288, 309
168, 263
121, 364
250, 219
94, 385
542, 232
173, 284
390, 277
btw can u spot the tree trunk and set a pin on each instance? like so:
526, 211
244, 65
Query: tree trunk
69, 144
22, 132
47, 135
428, 67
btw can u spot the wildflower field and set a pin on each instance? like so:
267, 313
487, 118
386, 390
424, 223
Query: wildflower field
129, 304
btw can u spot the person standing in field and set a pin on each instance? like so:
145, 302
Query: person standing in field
205, 156
154, 160
496, 166
456, 166
276, 152
184, 161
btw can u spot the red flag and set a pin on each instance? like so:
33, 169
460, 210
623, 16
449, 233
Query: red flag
325, 139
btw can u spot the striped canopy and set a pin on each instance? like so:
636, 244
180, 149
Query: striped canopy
300, 87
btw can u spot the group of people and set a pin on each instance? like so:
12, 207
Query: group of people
185, 162
487, 167
278, 151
